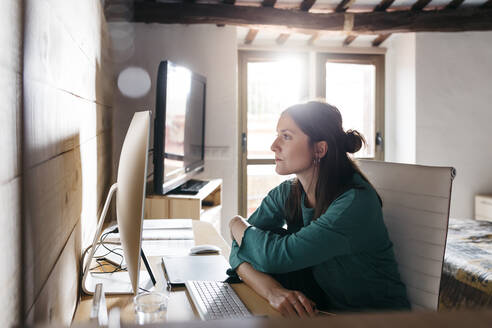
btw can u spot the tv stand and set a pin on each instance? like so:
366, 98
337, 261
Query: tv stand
206, 205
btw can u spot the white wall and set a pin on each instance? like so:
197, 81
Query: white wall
438, 108
206, 49
400, 99
454, 111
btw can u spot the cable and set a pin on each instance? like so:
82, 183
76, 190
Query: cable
100, 258
113, 251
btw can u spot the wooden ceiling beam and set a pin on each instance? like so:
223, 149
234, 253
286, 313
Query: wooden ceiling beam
313, 38
454, 4
282, 38
250, 36
465, 19
383, 5
344, 5
420, 4
380, 39
307, 4
348, 40
268, 3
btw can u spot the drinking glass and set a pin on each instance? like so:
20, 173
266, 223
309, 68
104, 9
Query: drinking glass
150, 307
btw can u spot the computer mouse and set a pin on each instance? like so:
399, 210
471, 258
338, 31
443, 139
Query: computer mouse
204, 249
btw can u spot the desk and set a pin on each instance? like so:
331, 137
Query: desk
180, 307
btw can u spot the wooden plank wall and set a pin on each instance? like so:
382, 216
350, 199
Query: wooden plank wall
68, 87
10, 163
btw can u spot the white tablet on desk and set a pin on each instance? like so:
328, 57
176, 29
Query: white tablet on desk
207, 267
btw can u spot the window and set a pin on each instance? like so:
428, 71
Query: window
355, 85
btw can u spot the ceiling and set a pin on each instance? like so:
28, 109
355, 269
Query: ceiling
349, 23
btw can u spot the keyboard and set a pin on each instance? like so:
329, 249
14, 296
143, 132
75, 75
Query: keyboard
216, 300
190, 187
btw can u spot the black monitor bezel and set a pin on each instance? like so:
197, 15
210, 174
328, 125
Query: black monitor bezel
161, 187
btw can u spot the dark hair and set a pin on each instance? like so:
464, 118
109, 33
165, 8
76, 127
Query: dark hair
323, 122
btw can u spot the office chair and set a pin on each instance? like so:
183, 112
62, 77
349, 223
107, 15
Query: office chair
416, 201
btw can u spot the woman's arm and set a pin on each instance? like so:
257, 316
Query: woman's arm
270, 214
324, 238
238, 226
287, 302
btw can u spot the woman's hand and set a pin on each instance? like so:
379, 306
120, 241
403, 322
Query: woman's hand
291, 303
287, 302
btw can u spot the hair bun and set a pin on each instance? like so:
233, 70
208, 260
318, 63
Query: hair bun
353, 141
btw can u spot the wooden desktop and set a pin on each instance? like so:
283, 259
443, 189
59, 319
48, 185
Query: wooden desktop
180, 307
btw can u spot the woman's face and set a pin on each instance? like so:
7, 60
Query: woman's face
293, 155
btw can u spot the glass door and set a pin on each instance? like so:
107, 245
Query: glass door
269, 83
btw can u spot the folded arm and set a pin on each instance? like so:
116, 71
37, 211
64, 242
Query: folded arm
238, 226
321, 240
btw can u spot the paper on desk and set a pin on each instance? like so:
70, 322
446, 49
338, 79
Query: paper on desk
167, 247
167, 224
151, 224
165, 234
170, 247
158, 234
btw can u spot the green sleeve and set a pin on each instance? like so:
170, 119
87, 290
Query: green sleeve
234, 260
321, 240
269, 215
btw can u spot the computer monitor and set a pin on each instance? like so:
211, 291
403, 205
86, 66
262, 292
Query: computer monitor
179, 126
130, 200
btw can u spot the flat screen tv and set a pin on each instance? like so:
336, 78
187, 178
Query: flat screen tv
179, 126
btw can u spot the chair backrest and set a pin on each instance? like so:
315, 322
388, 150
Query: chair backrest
416, 203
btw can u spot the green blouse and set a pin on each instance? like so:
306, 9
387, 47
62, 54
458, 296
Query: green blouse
347, 247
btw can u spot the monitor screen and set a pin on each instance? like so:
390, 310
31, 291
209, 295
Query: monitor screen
179, 126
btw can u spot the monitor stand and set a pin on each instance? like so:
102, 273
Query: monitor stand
114, 282
119, 282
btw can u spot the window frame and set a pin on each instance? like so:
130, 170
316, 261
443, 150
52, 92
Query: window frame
378, 62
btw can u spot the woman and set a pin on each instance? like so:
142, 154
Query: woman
335, 253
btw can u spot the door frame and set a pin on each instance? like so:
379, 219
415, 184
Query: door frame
244, 57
